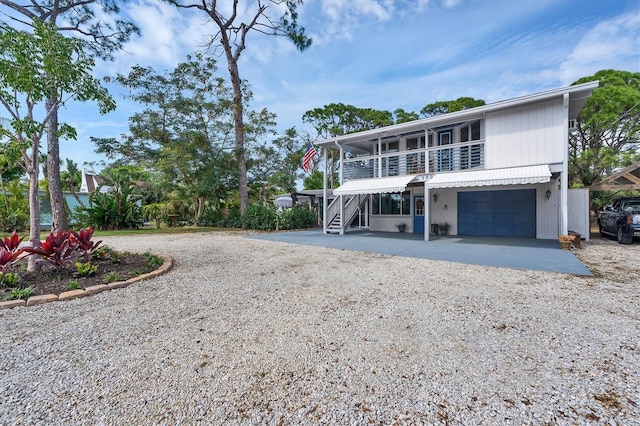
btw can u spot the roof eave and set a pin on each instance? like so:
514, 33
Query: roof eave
458, 116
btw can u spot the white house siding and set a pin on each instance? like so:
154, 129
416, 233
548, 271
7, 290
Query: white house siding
445, 209
578, 203
526, 135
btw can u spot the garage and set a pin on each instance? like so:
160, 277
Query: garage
509, 213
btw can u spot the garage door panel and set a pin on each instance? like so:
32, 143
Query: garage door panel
509, 213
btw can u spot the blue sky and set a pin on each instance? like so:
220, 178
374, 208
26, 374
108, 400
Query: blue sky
385, 54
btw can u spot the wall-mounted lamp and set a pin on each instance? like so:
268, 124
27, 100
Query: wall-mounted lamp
445, 207
548, 193
435, 197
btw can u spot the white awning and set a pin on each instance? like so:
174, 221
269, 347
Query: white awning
390, 184
511, 176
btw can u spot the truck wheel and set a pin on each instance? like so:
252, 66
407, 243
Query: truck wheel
623, 238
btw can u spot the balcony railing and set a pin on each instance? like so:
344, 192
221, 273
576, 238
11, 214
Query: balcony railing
459, 156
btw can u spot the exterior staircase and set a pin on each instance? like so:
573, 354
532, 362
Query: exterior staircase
351, 208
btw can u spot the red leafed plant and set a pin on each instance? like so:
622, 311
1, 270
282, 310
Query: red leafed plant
7, 257
57, 249
10, 250
11, 243
81, 241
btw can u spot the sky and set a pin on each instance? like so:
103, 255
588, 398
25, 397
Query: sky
382, 54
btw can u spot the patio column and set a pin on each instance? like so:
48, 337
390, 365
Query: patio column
325, 202
379, 156
341, 177
427, 212
564, 178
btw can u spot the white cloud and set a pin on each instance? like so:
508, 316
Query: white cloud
614, 41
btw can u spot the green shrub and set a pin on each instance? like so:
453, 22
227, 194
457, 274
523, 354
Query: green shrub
14, 207
233, 220
20, 293
260, 216
299, 216
209, 217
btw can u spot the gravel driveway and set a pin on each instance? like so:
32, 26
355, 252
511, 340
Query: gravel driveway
245, 331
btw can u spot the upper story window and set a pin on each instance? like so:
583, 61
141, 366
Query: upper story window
470, 132
415, 143
391, 146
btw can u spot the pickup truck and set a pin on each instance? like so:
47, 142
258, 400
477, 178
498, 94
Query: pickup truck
621, 218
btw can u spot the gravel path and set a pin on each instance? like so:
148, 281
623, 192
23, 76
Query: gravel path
245, 331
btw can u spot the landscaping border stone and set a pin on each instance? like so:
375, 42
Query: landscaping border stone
166, 266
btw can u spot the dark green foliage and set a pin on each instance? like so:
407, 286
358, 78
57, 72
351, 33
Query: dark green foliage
608, 128
152, 261
14, 207
233, 220
299, 217
445, 107
107, 212
116, 209
209, 217
340, 119
259, 216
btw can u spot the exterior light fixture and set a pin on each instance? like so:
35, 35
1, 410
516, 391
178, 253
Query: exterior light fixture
435, 197
548, 193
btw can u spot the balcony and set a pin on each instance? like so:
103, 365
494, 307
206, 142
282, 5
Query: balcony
448, 158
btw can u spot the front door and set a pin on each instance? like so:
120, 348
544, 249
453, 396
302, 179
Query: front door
418, 214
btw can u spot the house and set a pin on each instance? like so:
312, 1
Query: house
495, 170
90, 182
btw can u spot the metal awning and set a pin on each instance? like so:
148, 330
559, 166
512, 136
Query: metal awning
510, 176
389, 184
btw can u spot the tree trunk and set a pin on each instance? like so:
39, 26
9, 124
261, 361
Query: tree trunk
34, 203
58, 213
238, 121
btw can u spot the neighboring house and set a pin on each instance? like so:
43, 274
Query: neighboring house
90, 182
496, 170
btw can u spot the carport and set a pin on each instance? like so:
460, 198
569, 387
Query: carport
517, 253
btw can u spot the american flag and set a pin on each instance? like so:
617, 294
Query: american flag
308, 156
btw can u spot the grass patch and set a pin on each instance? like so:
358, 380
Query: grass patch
162, 230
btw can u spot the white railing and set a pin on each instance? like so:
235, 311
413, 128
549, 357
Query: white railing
459, 156
351, 206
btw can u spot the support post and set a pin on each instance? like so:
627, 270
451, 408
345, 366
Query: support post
325, 202
564, 178
427, 212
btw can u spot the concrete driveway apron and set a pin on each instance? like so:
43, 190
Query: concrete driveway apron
517, 253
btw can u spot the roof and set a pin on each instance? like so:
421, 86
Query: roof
578, 96
627, 178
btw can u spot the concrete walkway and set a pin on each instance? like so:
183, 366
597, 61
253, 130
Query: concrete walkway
518, 253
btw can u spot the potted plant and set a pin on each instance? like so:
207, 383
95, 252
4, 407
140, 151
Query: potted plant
444, 228
401, 227
565, 241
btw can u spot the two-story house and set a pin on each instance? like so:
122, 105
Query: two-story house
495, 170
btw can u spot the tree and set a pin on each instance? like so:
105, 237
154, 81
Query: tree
100, 36
403, 116
185, 133
340, 119
72, 176
275, 167
445, 107
607, 136
35, 68
231, 34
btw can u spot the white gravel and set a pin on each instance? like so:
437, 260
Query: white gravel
245, 331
